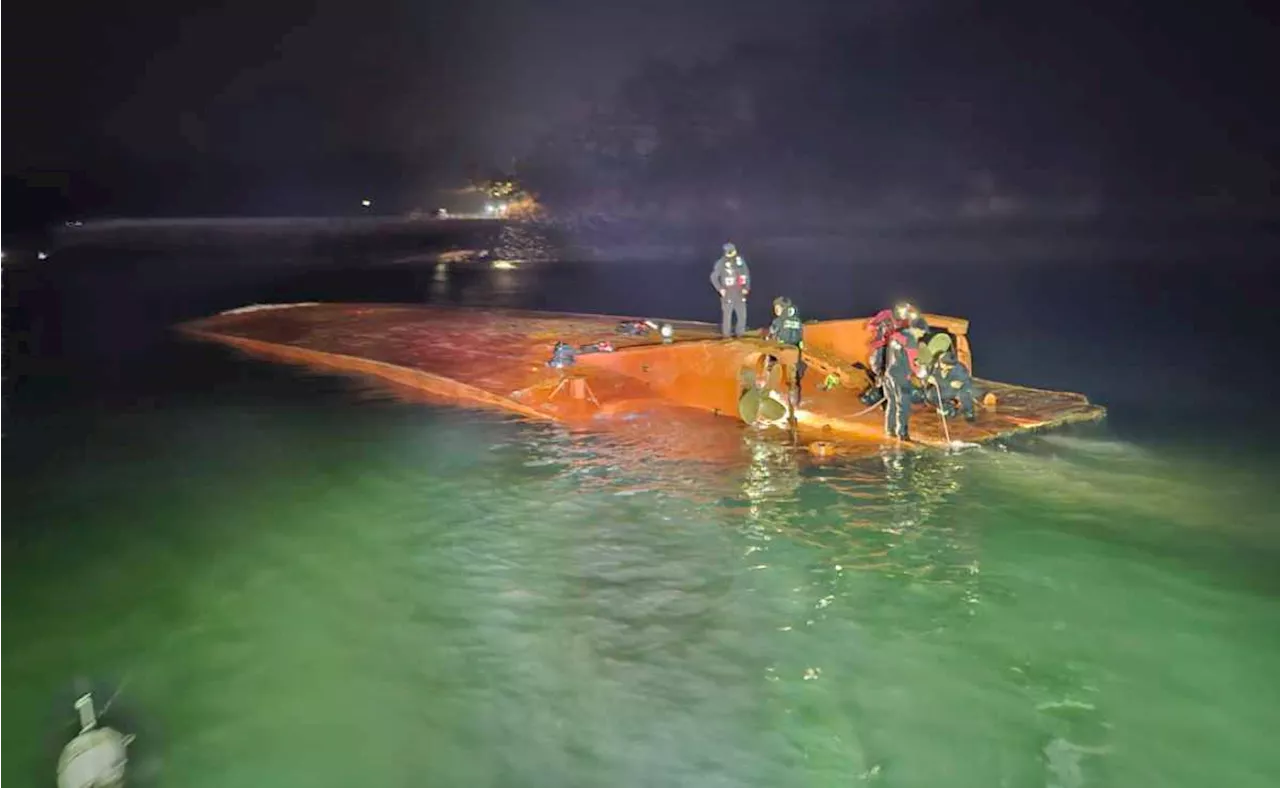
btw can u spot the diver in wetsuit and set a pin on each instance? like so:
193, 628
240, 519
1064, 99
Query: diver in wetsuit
900, 366
953, 380
788, 329
731, 277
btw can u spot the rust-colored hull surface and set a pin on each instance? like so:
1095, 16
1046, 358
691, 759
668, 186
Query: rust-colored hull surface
682, 396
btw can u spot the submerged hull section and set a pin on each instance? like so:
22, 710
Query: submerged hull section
682, 396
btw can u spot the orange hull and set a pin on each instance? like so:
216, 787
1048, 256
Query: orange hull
681, 397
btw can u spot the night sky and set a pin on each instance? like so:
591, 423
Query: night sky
145, 106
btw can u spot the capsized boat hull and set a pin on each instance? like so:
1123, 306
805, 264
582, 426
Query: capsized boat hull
682, 395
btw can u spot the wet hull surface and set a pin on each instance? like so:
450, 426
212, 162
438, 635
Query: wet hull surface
680, 398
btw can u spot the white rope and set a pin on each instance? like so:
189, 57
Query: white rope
119, 689
946, 431
869, 408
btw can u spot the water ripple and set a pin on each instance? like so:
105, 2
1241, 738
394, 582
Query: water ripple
480, 601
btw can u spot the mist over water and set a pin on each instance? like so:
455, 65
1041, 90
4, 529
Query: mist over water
300, 580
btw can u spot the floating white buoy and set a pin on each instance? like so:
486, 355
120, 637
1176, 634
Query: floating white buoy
96, 758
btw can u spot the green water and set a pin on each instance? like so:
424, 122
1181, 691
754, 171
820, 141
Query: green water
336, 590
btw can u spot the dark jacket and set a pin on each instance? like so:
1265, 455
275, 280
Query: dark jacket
732, 275
788, 329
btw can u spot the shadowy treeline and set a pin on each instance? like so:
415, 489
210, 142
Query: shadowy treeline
198, 186
969, 110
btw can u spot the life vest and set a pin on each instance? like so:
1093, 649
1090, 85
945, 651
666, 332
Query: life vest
789, 328
792, 332
899, 340
884, 324
731, 275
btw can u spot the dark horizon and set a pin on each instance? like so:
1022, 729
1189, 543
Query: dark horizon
149, 109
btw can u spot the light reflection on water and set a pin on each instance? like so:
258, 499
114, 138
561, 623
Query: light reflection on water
367, 592
480, 600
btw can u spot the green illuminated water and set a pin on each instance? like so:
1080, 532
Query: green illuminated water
294, 582
299, 586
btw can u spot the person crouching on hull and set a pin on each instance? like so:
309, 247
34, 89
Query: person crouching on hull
901, 363
732, 280
788, 329
950, 388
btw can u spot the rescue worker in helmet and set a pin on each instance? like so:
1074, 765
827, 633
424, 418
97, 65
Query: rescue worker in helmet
788, 329
901, 364
950, 387
885, 322
732, 280
882, 325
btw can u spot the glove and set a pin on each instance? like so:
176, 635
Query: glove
921, 373
721, 292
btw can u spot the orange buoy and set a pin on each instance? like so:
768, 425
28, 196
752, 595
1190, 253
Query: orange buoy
822, 448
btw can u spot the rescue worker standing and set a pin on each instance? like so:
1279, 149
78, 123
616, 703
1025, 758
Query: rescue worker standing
900, 365
788, 329
732, 280
882, 325
885, 322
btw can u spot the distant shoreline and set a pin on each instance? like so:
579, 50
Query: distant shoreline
445, 232
342, 223
616, 239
